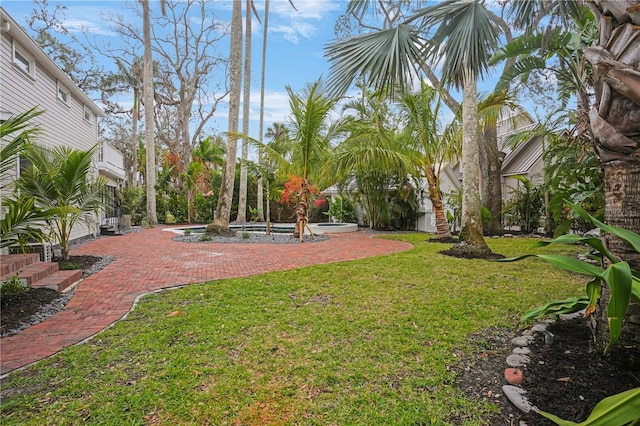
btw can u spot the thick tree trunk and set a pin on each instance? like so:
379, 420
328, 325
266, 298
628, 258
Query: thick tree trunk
622, 209
471, 233
490, 183
615, 125
223, 210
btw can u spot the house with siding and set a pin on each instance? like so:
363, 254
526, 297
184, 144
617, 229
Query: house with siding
28, 78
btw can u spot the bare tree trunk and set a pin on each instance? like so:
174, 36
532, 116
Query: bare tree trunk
261, 216
133, 149
223, 210
490, 183
616, 129
471, 233
242, 201
150, 143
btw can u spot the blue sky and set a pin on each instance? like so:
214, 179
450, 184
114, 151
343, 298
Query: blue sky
294, 49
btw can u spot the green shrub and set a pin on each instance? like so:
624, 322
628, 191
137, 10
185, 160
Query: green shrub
12, 287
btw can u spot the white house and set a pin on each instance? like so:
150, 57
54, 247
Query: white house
28, 78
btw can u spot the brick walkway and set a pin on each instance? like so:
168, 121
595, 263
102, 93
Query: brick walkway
150, 260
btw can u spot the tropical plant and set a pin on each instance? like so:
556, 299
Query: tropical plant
620, 409
620, 278
466, 34
20, 126
311, 135
22, 219
526, 206
61, 179
434, 145
373, 159
341, 210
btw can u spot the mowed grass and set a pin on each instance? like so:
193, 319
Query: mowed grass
366, 342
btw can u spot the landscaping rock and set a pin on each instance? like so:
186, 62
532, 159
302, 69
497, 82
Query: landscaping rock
521, 350
522, 341
517, 396
513, 376
517, 360
540, 327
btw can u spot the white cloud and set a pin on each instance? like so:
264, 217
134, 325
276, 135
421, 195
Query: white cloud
302, 23
86, 26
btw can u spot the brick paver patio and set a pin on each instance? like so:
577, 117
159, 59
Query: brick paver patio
150, 260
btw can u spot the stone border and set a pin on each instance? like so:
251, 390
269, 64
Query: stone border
519, 357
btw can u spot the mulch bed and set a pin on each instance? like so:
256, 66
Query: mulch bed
567, 378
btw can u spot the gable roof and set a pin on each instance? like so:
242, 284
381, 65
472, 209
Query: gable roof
8, 26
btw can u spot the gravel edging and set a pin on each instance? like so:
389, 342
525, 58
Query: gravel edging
252, 239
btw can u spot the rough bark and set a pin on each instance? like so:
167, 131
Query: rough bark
302, 210
150, 143
490, 179
442, 226
615, 124
223, 209
471, 233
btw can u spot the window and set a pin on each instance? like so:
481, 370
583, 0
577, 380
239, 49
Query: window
63, 94
23, 61
87, 114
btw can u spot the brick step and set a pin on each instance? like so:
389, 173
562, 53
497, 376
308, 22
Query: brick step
59, 280
12, 263
33, 272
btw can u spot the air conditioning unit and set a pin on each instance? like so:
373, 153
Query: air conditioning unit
44, 250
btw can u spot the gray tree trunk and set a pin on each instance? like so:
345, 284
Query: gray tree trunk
490, 179
150, 143
242, 202
471, 233
261, 124
223, 209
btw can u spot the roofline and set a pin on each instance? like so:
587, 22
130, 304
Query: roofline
16, 31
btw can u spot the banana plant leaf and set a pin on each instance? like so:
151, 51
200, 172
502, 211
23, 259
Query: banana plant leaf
620, 409
558, 307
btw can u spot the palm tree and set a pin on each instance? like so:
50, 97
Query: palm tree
616, 129
151, 171
60, 180
128, 78
435, 146
372, 160
466, 35
310, 139
22, 217
223, 209
246, 88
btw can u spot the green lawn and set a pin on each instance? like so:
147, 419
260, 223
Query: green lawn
366, 342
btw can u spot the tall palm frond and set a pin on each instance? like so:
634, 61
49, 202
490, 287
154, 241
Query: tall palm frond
60, 179
309, 121
385, 59
465, 37
19, 125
